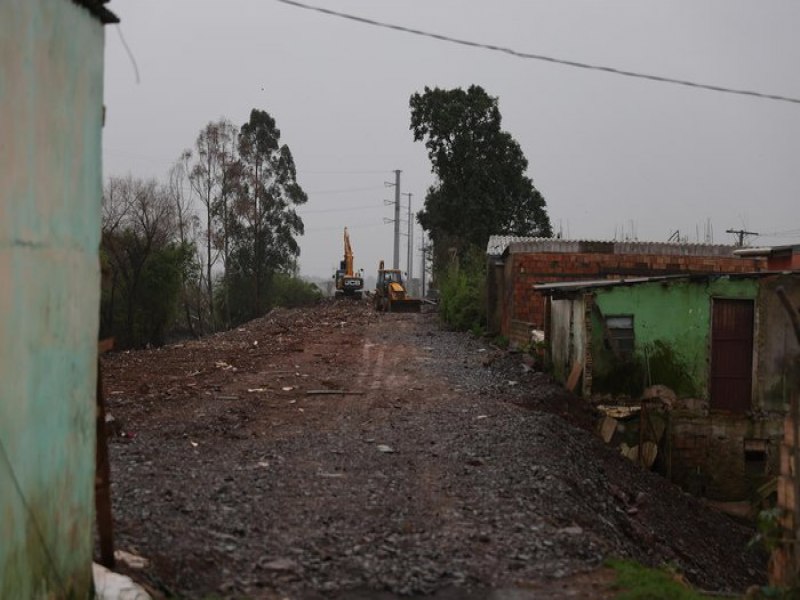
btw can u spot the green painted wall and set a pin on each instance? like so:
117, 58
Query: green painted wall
51, 86
671, 328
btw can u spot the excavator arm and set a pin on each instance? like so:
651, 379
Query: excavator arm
348, 255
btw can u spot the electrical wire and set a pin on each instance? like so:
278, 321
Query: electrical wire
130, 54
545, 58
302, 212
362, 189
780, 233
356, 226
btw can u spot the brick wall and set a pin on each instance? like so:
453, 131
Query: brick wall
524, 270
783, 566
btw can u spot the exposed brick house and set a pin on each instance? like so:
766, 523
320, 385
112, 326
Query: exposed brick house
779, 258
516, 264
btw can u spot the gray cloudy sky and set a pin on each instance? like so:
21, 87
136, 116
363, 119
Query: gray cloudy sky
608, 153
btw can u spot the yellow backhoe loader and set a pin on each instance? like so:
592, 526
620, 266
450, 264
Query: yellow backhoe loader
391, 294
347, 282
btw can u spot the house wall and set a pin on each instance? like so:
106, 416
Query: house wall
51, 85
777, 350
561, 356
523, 270
710, 453
672, 324
784, 261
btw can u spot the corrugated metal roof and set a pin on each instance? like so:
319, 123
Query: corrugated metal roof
499, 244
577, 286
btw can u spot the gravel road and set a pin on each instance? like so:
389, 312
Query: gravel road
432, 464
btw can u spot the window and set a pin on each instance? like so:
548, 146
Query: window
620, 335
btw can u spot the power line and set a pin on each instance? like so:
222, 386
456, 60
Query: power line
356, 226
302, 212
780, 233
373, 172
545, 58
345, 191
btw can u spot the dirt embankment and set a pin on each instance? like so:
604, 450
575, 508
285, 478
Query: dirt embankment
437, 470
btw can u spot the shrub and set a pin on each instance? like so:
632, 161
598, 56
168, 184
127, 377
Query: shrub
461, 296
290, 292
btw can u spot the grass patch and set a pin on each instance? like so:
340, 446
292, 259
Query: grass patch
637, 582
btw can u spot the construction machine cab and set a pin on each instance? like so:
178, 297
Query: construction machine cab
391, 294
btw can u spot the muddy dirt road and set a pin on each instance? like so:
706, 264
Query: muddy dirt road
447, 470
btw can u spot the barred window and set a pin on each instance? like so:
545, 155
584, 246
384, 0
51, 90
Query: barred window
620, 331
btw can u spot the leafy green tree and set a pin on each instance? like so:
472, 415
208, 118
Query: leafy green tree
481, 186
263, 223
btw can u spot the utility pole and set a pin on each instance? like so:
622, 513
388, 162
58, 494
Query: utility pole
741, 233
396, 220
410, 257
424, 248
396, 258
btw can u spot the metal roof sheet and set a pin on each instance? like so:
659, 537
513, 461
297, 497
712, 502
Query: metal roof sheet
500, 244
575, 286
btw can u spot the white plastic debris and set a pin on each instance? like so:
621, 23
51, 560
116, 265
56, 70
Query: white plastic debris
113, 586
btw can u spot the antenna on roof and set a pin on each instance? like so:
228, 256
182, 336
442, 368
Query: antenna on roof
741, 233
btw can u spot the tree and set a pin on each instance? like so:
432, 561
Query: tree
142, 261
481, 186
263, 224
206, 178
188, 224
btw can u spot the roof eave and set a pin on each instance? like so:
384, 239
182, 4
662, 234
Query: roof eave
96, 8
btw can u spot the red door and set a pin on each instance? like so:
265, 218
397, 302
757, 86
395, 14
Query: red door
731, 354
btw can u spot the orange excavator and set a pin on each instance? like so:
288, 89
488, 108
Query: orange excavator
348, 284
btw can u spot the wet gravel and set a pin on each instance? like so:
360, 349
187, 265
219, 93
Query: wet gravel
453, 468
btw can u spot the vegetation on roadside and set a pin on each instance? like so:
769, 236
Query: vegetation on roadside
212, 246
637, 582
462, 304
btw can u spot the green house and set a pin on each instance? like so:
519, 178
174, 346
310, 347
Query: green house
723, 345
51, 118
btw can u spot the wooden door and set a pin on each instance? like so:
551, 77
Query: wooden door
732, 354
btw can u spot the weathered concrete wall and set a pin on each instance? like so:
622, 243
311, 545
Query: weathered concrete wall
723, 457
51, 85
559, 334
777, 350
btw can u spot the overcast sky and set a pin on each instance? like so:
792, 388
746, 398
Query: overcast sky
610, 154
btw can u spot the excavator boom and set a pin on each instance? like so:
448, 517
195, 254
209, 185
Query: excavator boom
348, 255
347, 282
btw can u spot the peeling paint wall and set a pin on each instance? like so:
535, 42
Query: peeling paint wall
51, 85
711, 453
672, 328
777, 350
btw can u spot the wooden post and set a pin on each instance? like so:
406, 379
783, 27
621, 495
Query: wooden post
102, 479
